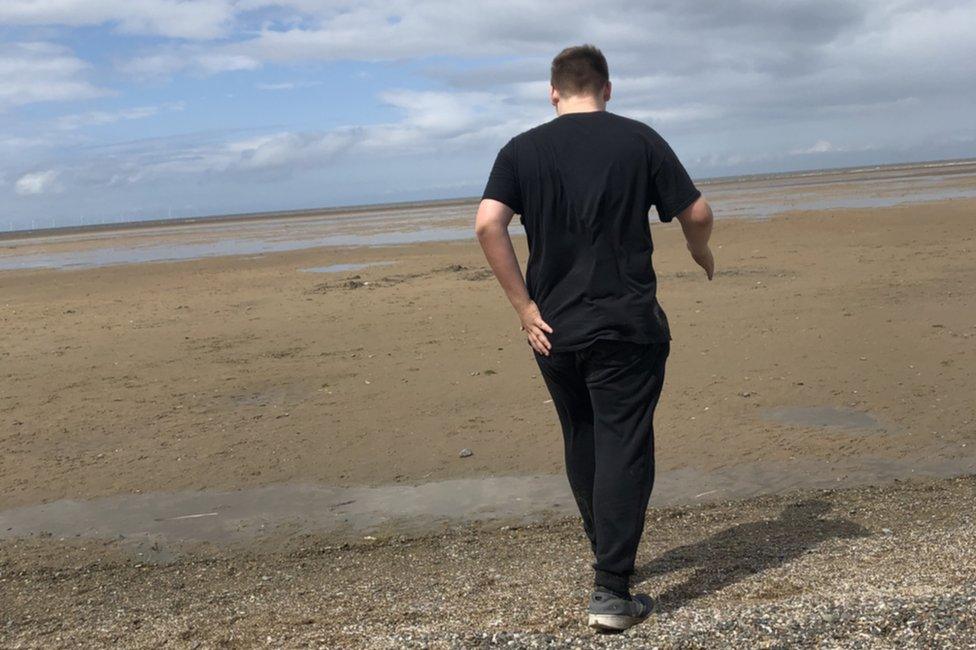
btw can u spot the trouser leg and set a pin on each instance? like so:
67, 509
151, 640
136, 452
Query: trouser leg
624, 381
571, 399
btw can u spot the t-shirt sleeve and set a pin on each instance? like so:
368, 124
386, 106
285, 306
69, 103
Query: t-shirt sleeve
671, 186
503, 180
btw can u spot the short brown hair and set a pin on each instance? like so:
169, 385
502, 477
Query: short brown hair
580, 70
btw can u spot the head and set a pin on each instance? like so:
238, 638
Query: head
579, 76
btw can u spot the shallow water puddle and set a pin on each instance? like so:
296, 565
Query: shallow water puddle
174, 252
338, 268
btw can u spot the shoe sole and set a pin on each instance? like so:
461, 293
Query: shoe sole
613, 622
619, 622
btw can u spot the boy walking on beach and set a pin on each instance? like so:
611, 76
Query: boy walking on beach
583, 184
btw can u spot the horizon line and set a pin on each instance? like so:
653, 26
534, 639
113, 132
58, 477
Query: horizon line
460, 200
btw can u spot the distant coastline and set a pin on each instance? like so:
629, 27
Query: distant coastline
958, 165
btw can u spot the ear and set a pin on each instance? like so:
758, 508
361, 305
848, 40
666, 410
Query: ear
606, 91
553, 95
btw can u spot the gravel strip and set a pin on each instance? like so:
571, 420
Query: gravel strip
878, 567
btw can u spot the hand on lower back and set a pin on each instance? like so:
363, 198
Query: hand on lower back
535, 328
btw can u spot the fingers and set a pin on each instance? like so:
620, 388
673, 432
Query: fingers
542, 337
538, 348
535, 330
539, 341
544, 342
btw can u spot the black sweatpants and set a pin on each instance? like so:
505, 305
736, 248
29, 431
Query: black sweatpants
605, 395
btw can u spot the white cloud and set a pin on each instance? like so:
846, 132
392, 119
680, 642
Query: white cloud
820, 146
192, 59
266, 154
199, 19
825, 146
676, 114
730, 65
16, 145
284, 149
431, 122
287, 85
211, 63
447, 121
98, 118
377, 30
440, 112
42, 72
394, 29
37, 183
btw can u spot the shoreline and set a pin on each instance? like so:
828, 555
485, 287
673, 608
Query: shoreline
835, 567
856, 173
256, 517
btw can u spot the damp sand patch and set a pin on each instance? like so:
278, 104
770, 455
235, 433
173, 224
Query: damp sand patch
157, 526
339, 268
823, 417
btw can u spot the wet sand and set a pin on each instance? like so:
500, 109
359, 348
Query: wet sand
240, 372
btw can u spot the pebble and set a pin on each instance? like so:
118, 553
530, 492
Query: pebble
801, 570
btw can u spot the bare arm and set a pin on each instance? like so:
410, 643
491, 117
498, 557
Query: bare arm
491, 227
696, 224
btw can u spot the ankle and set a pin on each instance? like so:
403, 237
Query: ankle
615, 584
618, 594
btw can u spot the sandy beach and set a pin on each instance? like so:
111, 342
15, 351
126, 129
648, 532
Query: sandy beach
233, 372
834, 349
261, 388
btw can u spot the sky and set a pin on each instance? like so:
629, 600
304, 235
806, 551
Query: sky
134, 109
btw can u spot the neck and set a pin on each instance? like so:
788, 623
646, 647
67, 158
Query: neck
580, 105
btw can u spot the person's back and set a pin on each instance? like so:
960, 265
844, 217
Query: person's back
583, 184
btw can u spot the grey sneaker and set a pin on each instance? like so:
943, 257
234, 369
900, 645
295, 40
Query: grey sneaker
611, 613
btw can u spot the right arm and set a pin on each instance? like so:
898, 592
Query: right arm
696, 224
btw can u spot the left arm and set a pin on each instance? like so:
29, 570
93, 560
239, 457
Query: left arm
491, 227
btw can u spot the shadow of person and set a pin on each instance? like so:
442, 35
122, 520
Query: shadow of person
746, 549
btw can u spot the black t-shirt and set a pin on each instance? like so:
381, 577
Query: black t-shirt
583, 185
